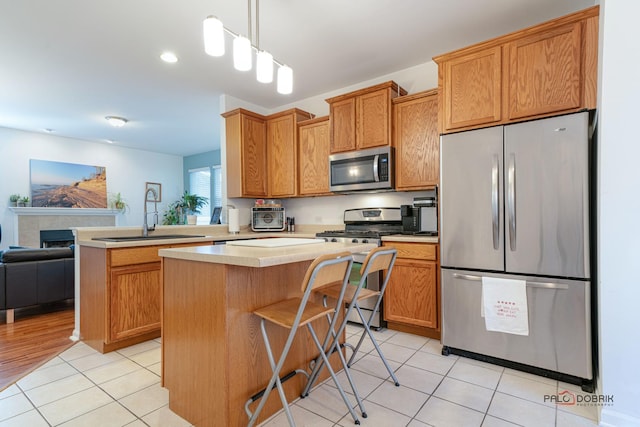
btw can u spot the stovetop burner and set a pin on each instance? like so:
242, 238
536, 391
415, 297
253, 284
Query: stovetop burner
367, 224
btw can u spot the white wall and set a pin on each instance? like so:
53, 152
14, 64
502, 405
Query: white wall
127, 172
619, 204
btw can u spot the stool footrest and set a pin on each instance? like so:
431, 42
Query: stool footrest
261, 393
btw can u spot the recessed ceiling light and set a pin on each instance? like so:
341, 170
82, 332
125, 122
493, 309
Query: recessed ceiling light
110, 141
117, 122
169, 57
49, 130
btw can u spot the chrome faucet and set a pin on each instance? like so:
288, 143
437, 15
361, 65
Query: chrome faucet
145, 227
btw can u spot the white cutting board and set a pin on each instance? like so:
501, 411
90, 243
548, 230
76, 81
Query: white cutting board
275, 242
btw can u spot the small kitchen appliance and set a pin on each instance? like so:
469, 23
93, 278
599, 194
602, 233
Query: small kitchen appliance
422, 217
267, 218
366, 225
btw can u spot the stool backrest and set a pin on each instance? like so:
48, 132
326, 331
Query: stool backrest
327, 270
378, 259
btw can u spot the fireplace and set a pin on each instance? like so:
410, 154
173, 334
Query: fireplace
56, 238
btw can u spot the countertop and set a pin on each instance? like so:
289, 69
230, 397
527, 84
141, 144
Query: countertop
261, 257
212, 234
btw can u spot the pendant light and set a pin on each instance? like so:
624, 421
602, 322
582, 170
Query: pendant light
213, 31
242, 53
285, 80
214, 45
264, 67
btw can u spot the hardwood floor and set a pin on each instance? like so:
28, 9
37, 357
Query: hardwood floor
37, 335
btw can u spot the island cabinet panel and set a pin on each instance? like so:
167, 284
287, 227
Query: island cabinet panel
120, 295
282, 143
246, 154
411, 299
540, 71
213, 354
313, 157
362, 119
417, 141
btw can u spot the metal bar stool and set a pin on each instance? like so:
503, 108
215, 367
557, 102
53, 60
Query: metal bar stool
380, 259
297, 312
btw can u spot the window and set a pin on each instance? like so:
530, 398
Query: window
200, 184
206, 182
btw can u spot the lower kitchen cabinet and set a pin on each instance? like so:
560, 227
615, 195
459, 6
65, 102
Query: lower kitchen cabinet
411, 301
120, 295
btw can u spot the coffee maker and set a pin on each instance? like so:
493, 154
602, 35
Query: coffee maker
421, 217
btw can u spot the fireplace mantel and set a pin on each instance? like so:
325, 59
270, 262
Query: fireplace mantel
29, 221
63, 211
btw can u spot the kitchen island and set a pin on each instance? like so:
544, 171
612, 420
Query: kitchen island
213, 356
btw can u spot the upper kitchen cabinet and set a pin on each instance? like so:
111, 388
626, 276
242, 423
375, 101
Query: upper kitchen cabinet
540, 71
313, 157
282, 136
246, 154
362, 119
416, 141
262, 153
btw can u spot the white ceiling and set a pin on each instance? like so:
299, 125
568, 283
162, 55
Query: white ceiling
67, 64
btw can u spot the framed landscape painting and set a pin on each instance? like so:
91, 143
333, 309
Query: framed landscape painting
67, 185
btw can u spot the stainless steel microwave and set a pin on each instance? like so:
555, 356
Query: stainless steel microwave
363, 170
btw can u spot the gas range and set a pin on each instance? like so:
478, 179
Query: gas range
366, 225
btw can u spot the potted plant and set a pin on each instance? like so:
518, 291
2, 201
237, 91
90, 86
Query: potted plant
117, 202
173, 215
192, 203
25, 201
13, 199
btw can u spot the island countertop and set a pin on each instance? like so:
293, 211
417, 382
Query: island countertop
261, 257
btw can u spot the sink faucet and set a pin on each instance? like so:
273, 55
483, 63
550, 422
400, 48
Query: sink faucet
145, 227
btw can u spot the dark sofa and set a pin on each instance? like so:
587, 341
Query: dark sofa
35, 276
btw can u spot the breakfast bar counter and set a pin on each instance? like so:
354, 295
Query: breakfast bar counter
213, 356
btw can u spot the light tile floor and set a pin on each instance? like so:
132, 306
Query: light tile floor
82, 387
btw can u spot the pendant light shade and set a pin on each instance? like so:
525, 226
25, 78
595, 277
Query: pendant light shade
213, 31
285, 80
264, 67
242, 53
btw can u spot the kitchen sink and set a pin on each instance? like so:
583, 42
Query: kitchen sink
154, 237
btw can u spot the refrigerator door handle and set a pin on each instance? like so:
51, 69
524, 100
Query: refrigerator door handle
494, 203
530, 284
511, 200
547, 285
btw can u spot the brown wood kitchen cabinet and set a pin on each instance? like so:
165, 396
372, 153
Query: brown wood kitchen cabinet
416, 140
411, 302
547, 69
120, 295
246, 154
313, 157
362, 119
282, 148
262, 153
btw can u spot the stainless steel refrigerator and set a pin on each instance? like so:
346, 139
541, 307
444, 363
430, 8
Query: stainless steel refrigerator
515, 203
